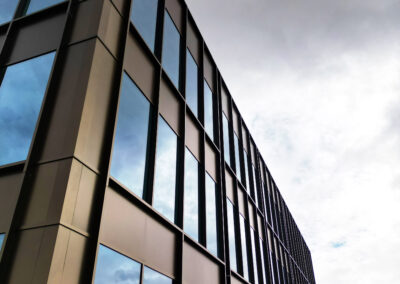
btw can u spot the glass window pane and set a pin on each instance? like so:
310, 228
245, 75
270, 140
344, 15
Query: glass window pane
153, 277
211, 217
208, 111
191, 92
115, 268
191, 212
36, 5
225, 126
262, 261
255, 185
130, 143
165, 171
144, 17
244, 247
246, 170
237, 156
253, 251
1, 241
21, 96
171, 50
7, 10
231, 235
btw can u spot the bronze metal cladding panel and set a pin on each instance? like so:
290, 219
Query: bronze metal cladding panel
192, 137
170, 107
9, 191
260, 226
193, 42
133, 232
251, 216
92, 130
121, 5
241, 200
174, 8
70, 94
209, 71
234, 280
229, 186
211, 161
38, 37
225, 103
235, 122
140, 67
197, 268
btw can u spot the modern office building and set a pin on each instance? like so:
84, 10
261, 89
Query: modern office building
124, 159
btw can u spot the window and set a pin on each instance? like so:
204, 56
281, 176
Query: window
253, 251
255, 185
1, 241
246, 170
237, 156
165, 171
128, 163
191, 92
113, 267
225, 126
7, 10
144, 17
36, 5
262, 261
244, 247
231, 235
191, 194
208, 111
151, 276
21, 95
211, 216
171, 50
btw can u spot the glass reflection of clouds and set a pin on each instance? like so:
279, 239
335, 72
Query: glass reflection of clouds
7, 10
191, 92
171, 50
211, 211
253, 251
226, 139
231, 235
244, 248
165, 171
153, 277
208, 111
21, 96
130, 143
191, 193
115, 268
36, 5
144, 17
237, 156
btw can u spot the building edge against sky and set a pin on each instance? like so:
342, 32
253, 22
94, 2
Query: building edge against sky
124, 158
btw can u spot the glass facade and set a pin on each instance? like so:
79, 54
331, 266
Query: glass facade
171, 50
151, 276
165, 171
21, 94
36, 5
244, 243
144, 17
253, 252
130, 143
7, 10
263, 268
237, 156
246, 170
208, 111
225, 129
191, 196
211, 216
192, 87
231, 235
255, 195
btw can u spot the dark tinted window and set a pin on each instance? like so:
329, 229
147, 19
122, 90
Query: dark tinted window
255, 195
191, 194
113, 267
165, 171
211, 217
191, 92
208, 111
7, 10
144, 17
171, 50
36, 5
246, 170
130, 143
231, 235
21, 96
153, 277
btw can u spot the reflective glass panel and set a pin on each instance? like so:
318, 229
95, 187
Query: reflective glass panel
191, 195
211, 217
255, 185
1, 240
7, 10
165, 171
208, 111
130, 143
153, 277
246, 170
237, 156
171, 50
263, 261
244, 247
225, 126
21, 96
191, 92
144, 17
253, 252
231, 235
115, 268
36, 5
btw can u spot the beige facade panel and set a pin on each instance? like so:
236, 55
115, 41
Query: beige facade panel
235, 280
209, 71
121, 5
136, 234
260, 226
252, 220
175, 10
225, 102
197, 268
170, 107
230, 188
235, 122
245, 139
193, 42
192, 137
9, 191
241, 201
211, 162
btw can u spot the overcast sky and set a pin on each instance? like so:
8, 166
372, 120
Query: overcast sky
325, 76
